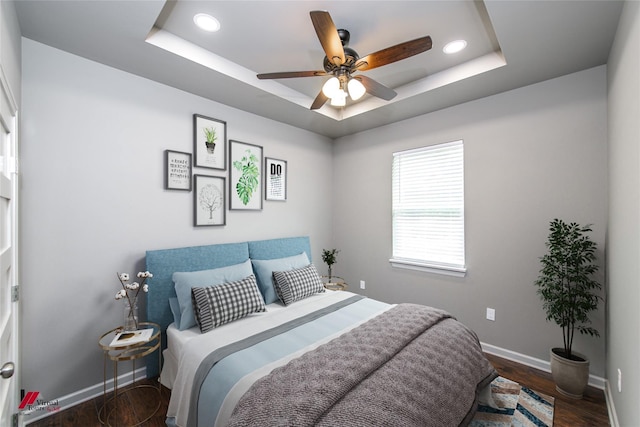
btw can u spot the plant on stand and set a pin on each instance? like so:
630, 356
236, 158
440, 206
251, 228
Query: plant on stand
129, 293
569, 293
329, 258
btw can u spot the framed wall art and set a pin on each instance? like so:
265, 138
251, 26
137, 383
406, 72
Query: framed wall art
245, 184
209, 200
177, 170
275, 179
209, 142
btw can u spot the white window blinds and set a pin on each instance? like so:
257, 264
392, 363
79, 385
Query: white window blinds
428, 207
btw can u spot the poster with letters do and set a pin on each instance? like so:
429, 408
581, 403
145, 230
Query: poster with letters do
276, 179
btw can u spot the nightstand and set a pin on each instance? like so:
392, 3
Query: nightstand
108, 414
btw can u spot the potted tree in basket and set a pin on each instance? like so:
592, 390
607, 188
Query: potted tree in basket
569, 293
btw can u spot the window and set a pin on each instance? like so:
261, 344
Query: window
428, 208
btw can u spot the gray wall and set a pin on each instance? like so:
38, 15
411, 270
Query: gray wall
93, 141
623, 237
531, 155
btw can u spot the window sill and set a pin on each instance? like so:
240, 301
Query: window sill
429, 268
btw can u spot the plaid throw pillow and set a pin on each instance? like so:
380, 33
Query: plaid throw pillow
294, 285
220, 304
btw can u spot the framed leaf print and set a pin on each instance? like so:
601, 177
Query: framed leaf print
209, 201
245, 184
209, 142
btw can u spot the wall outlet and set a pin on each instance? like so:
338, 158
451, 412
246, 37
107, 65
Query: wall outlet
362, 286
491, 314
619, 381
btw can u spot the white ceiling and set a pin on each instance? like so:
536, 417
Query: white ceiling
510, 44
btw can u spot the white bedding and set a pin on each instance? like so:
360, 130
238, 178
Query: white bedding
186, 349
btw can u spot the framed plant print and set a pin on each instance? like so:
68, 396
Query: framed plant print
177, 170
245, 184
209, 200
275, 180
209, 142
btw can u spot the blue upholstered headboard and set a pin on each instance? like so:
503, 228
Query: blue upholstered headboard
163, 263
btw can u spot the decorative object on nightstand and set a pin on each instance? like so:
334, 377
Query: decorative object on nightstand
119, 345
129, 293
333, 283
329, 258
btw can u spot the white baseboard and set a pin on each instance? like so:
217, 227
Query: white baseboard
543, 365
613, 415
73, 399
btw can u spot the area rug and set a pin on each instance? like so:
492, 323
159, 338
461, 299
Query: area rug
519, 407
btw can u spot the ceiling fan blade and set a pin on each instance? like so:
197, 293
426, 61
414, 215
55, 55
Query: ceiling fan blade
328, 36
290, 74
393, 54
376, 89
319, 101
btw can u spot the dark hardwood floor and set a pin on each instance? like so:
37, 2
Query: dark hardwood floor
591, 411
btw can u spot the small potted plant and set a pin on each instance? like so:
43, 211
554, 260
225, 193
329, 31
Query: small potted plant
569, 293
329, 258
210, 135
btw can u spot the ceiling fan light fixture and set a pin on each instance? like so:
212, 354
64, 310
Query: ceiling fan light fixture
331, 87
454, 46
206, 22
356, 89
339, 99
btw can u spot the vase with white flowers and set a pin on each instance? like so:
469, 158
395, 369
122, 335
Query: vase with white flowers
129, 293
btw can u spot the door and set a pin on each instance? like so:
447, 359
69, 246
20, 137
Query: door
9, 386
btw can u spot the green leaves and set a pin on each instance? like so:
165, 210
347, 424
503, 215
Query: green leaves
329, 256
248, 181
565, 283
210, 134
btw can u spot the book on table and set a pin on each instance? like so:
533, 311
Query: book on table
131, 337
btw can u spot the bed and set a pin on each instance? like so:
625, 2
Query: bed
251, 337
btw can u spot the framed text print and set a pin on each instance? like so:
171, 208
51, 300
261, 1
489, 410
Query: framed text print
245, 184
177, 170
275, 180
209, 201
209, 142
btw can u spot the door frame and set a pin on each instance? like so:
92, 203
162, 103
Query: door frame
9, 321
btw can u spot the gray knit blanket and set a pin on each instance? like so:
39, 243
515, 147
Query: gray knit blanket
410, 366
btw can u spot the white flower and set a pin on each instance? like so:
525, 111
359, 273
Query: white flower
121, 294
124, 277
145, 288
143, 274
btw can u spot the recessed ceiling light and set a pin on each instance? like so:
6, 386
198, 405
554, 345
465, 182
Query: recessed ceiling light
206, 22
454, 46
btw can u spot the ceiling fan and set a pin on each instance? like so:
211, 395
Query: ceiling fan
341, 62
